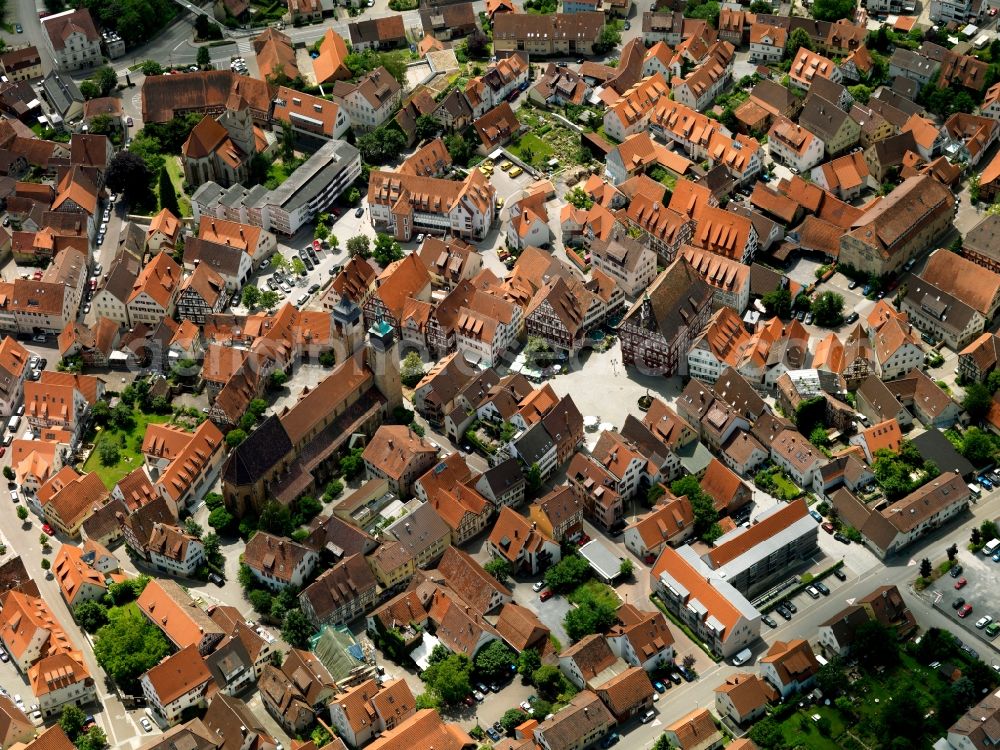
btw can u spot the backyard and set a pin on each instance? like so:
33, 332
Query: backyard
546, 137
128, 443
595, 591
894, 697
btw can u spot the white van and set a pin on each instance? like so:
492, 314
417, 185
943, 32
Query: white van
991, 547
14, 423
976, 490
742, 657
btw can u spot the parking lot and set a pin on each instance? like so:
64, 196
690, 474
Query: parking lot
982, 577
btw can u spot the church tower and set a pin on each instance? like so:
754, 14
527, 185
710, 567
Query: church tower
239, 125
348, 326
383, 360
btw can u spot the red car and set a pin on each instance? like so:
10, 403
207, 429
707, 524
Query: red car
828, 527
960, 583
965, 610
2, 450
545, 595
48, 529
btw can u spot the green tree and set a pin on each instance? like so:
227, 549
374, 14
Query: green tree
235, 437
460, 147
493, 662
107, 80
761, 6
128, 646
108, 453
778, 303
589, 616
91, 616
308, 507
221, 520
512, 718
298, 266
359, 245
499, 569
278, 379
276, 519
568, 573
93, 739
9, 474
833, 10
426, 127
386, 250
579, 198
269, 299
797, 39
527, 662
626, 568
874, 645
828, 309
204, 57
533, 479
352, 464
860, 92
449, 677
127, 173
71, 720
977, 401
411, 370
381, 145
151, 68
832, 677
977, 446
296, 629
22, 513
45, 563
168, 196
702, 504
549, 681
250, 296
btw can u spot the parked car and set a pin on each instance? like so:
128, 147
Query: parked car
674, 677
525, 706
3, 656
852, 284
828, 527
965, 610
960, 582
787, 604
477, 695
659, 687
783, 612
840, 575
959, 602
360, 212
545, 595
815, 514
538, 586
493, 734
146, 724
769, 621
983, 621
956, 571
992, 629
217, 579
841, 538
821, 588
812, 591
648, 717
610, 740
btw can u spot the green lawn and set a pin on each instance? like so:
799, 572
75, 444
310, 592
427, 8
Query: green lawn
541, 151
799, 730
177, 177
787, 488
130, 452
598, 591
